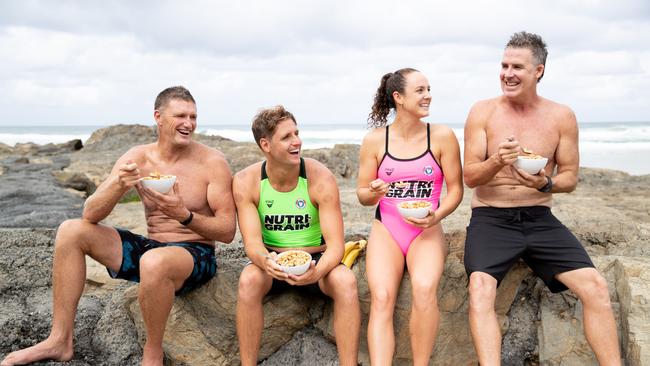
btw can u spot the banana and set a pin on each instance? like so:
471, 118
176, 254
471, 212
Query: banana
348, 247
348, 261
352, 251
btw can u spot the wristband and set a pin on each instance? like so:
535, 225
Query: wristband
188, 220
549, 185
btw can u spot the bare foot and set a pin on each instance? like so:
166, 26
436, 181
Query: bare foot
46, 350
152, 356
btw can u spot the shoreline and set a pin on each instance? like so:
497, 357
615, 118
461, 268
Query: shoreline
619, 156
617, 149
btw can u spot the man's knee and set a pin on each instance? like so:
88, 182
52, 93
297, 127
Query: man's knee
482, 292
593, 291
343, 284
71, 232
252, 283
153, 267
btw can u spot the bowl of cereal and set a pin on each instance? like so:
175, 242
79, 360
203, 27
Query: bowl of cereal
158, 182
294, 261
530, 162
414, 209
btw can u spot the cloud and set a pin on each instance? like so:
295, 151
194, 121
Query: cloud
103, 62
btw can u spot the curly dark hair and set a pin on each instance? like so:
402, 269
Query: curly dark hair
384, 101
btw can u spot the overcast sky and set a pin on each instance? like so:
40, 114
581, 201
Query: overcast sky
103, 62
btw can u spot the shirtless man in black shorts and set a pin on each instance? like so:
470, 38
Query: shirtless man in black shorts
183, 224
511, 216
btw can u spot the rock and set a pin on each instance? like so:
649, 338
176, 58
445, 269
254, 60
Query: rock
76, 181
115, 340
104, 333
50, 149
30, 198
307, 347
520, 343
26, 259
28, 148
609, 213
342, 160
633, 289
5, 149
119, 138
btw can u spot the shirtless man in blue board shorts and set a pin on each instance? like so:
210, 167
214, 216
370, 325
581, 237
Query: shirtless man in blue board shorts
511, 216
183, 224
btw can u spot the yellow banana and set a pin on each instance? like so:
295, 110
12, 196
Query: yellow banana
348, 261
362, 244
348, 247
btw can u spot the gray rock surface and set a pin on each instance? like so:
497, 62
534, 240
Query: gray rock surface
609, 213
104, 334
29, 194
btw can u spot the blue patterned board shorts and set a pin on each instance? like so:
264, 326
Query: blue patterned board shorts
134, 246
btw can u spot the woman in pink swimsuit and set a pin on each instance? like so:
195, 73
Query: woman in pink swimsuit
399, 162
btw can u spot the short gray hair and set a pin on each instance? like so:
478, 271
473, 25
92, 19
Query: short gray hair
534, 43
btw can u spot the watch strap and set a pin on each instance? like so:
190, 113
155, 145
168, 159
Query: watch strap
188, 219
548, 186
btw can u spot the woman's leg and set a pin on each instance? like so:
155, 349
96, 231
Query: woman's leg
384, 269
425, 261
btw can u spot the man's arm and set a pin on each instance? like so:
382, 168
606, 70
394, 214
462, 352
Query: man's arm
477, 169
567, 155
326, 196
124, 175
222, 225
250, 225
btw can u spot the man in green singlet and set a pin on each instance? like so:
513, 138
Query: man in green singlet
287, 202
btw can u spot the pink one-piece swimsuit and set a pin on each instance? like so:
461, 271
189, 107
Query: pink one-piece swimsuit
423, 178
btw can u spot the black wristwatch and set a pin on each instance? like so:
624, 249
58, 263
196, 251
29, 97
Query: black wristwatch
549, 185
188, 219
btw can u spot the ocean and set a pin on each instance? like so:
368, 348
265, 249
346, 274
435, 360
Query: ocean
611, 145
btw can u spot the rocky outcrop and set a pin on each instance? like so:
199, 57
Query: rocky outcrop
5, 149
118, 139
50, 149
76, 181
29, 195
342, 159
609, 213
104, 334
106, 145
633, 290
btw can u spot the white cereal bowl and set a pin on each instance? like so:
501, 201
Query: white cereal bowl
418, 213
530, 166
162, 185
295, 270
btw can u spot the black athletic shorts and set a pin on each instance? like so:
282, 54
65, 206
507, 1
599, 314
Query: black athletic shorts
134, 246
498, 237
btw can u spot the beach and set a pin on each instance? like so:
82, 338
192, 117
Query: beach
606, 145
42, 185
